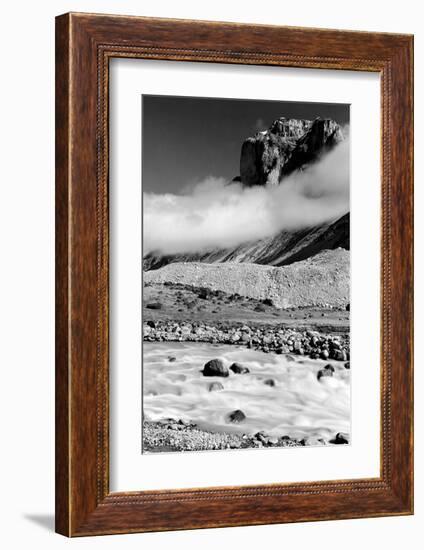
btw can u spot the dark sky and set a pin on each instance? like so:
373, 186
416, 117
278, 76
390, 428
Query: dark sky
186, 139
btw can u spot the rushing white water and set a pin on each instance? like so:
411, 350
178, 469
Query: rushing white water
299, 405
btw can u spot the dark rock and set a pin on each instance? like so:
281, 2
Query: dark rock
216, 386
215, 367
267, 302
264, 155
285, 147
237, 368
348, 307
172, 359
151, 324
325, 372
204, 293
269, 382
321, 137
340, 439
262, 437
154, 305
347, 365
339, 355
236, 416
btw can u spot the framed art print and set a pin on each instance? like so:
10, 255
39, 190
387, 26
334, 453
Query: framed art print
233, 274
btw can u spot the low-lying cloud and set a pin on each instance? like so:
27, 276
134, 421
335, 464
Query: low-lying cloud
214, 214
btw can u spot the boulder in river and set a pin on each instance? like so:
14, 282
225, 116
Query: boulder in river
327, 371
236, 416
238, 368
216, 386
215, 367
270, 382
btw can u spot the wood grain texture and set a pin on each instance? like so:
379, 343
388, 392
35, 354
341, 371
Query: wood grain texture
84, 45
62, 416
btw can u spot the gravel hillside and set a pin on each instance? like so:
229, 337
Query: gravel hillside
319, 281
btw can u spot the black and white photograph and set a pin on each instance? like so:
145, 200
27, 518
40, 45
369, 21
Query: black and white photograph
246, 274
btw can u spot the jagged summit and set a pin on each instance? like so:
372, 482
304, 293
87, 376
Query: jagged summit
286, 146
292, 128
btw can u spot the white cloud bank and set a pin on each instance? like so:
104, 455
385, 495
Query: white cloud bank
217, 215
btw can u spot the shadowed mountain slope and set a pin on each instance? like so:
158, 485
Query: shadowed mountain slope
283, 249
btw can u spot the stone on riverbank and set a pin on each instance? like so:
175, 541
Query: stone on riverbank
154, 305
160, 437
270, 339
340, 439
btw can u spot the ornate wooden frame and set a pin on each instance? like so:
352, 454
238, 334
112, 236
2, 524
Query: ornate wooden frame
84, 45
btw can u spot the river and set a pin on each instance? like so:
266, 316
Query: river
298, 405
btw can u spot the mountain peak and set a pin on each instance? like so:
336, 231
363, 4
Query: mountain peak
286, 146
289, 127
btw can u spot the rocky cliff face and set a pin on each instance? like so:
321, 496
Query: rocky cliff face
288, 145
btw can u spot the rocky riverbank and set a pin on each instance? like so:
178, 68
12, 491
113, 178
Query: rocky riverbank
276, 339
171, 435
